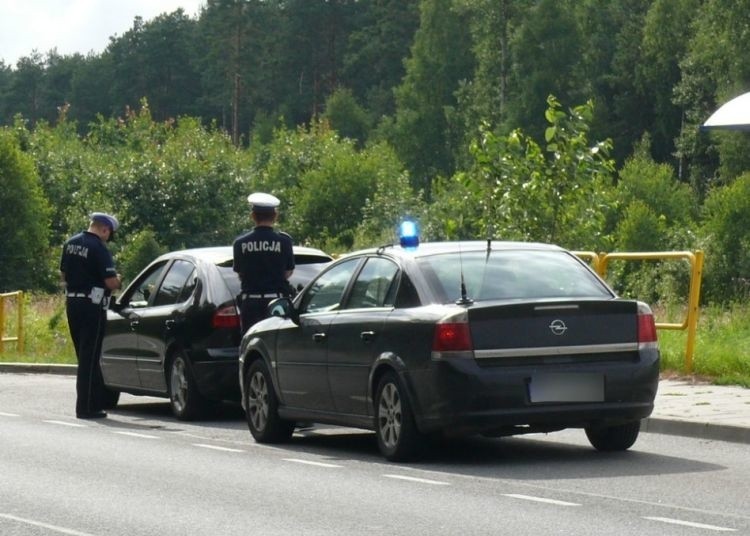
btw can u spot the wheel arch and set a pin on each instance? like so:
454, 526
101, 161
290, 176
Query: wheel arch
257, 350
391, 362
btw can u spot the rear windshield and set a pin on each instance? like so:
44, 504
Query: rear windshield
230, 278
510, 275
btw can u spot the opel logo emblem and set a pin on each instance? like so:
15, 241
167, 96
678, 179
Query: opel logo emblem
558, 327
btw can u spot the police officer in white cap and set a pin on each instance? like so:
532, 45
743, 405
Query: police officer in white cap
264, 260
90, 277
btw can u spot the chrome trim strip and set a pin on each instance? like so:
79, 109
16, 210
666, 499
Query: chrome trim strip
555, 307
557, 350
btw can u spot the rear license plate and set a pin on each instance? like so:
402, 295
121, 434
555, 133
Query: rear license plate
566, 388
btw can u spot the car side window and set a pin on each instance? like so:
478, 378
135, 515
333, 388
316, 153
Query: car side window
326, 292
407, 295
145, 288
371, 289
174, 282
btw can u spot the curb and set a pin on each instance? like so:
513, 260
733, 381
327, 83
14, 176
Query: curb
46, 368
700, 430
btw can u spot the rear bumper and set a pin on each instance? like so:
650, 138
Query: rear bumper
216, 376
458, 396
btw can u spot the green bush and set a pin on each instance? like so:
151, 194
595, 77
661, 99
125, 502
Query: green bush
726, 228
141, 248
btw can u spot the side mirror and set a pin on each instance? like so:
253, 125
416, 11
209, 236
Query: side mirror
284, 308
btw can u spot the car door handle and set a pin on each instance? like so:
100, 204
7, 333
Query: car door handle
319, 337
169, 323
134, 324
367, 336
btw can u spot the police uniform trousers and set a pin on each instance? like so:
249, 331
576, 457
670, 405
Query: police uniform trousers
86, 321
252, 311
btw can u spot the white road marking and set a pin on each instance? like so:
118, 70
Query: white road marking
690, 524
61, 530
540, 499
421, 480
66, 423
136, 434
214, 447
3, 414
308, 462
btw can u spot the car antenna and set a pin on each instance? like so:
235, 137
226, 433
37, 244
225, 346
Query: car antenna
464, 299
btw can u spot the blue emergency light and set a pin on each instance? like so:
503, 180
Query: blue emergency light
408, 235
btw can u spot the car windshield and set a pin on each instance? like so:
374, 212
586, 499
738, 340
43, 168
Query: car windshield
512, 274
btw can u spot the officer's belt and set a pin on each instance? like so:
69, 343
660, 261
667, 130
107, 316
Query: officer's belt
264, 295
76, 295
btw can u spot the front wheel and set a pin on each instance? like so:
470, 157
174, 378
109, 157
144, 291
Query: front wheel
613, 438
186, 401
398, 437
262, 407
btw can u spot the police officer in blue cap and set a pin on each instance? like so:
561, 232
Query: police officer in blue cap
264, 260
90, 277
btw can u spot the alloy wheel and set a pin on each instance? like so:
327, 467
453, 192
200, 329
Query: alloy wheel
179, 385
389, 415
257, 401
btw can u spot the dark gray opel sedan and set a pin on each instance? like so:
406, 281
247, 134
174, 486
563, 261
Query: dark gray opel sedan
494, 338
175, 330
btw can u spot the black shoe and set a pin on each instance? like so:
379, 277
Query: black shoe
92, 415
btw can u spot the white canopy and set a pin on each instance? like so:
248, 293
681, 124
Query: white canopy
733, 115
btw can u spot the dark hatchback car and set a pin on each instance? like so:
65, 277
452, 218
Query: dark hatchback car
462, 338
175, 330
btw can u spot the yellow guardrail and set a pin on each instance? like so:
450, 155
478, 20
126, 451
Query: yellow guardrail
600, 262
18, 339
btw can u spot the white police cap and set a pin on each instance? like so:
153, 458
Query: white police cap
262, 201
106, 219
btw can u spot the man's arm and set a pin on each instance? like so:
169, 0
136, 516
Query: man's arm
113, 283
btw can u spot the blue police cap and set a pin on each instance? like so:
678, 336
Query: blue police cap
263, 202
106, 219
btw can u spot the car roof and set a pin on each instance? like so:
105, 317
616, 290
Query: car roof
223, 254
426, 249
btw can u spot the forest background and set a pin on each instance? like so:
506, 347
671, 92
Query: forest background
566, 121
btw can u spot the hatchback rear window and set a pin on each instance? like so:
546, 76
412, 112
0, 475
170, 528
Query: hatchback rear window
518, 274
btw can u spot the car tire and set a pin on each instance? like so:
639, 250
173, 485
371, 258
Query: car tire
109, 398
398, 437
184, 398
262, 407
613, 438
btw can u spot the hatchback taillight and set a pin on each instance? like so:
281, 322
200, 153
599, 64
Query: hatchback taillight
452, 337
646, 325
226, 317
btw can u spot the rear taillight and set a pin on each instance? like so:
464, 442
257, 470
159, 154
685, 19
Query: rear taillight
226, 317
452, 337
646, 325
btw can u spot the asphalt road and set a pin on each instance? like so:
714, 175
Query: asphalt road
141, 472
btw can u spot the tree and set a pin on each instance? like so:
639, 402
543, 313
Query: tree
520, 191
373, 58
23, 221
713, 71
726, 228
546, 47
440, 58
346, 116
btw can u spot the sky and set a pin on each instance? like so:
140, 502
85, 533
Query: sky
74, 25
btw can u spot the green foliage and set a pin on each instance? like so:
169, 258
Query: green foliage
519, 191
142, 248
46, 335
24, 220
347, 117
722, 332
440, 58
726, 228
